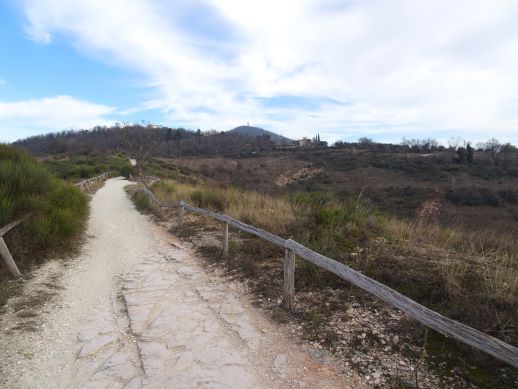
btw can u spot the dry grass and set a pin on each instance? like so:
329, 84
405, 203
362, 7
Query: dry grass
492, 257
274, 214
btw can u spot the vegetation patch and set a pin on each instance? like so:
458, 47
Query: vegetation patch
77, 167
58, 210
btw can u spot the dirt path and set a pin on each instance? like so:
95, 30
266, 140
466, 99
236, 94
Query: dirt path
136, 309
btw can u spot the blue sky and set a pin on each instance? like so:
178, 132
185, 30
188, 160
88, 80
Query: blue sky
342, 68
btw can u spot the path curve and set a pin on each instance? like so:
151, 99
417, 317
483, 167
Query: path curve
136, 309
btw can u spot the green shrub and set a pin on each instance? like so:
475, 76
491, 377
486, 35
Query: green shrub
142, 202
58, 210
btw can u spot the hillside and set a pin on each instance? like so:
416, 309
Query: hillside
478, 196
256, 131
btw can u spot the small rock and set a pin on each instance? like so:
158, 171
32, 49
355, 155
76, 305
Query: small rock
328, 291
395, 339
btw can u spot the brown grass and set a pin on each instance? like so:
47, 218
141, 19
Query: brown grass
491, 257
271, 213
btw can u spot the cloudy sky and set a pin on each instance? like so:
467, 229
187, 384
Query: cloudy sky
343, 68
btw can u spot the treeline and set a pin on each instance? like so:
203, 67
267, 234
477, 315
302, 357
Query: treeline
461, 150
169, 142
177, 142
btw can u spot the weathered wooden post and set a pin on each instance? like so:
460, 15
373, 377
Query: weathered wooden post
225, 239
181, 212
8, 260
162, 214
289, 279
4, 250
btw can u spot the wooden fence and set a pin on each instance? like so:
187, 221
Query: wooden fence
448, 327
4, 250
85, 184
148, 179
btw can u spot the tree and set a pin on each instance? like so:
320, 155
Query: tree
469, 153
455, 142
494, 147
198, 136
461, 152
141, 144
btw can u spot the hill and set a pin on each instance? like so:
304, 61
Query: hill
165, 141
257, 131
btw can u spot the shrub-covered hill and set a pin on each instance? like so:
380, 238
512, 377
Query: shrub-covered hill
58, 210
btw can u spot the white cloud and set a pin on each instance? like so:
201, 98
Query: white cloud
402, 67
51, 113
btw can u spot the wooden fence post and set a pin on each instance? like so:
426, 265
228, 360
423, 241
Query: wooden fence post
225, 239
181, 212
289, 279
8, 259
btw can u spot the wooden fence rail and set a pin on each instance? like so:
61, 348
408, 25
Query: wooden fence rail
448, 327
4, 250
85, 184
149, 179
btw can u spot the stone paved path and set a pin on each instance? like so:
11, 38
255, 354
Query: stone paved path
136, 309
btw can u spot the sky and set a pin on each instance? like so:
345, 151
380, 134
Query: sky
341, 68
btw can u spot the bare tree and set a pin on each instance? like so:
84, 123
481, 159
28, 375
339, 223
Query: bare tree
420, 145
142, 144
494, 147
455, 142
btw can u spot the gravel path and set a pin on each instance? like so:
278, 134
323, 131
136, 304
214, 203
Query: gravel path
136, 309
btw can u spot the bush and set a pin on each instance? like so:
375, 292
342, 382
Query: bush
142, 202
58, 210
473, 196
509, 196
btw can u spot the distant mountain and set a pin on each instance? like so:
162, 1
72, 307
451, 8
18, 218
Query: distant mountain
256, 131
